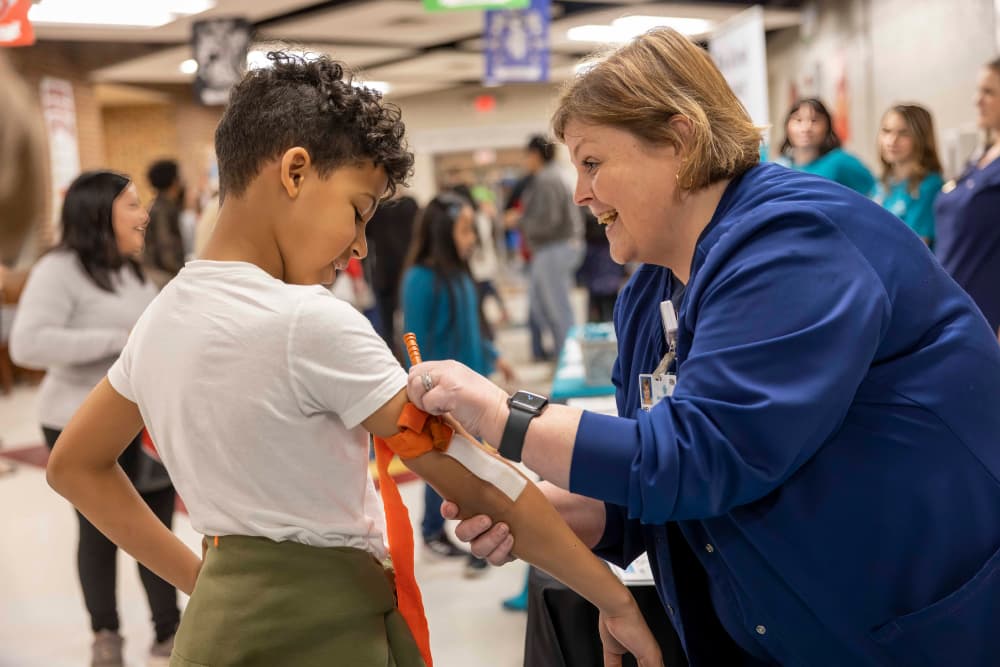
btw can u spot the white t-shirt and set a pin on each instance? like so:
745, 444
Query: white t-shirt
253, 391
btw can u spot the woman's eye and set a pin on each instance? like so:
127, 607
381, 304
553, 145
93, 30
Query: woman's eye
590, 166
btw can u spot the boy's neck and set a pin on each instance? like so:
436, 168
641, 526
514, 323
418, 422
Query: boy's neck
242, 234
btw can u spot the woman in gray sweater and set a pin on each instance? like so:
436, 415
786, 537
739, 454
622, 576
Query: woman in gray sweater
79, 304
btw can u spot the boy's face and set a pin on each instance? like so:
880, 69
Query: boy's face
327, 220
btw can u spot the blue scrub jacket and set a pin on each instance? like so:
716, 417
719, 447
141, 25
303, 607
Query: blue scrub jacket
825, 476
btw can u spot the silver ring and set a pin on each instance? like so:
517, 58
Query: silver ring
426, 379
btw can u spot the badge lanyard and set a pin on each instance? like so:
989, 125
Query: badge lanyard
655, 386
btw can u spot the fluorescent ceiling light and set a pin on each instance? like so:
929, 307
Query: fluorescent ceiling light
147, 13
257, 58
189, 66
381, 86
627, 27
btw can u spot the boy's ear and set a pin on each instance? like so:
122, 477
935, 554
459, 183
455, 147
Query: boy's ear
295, 162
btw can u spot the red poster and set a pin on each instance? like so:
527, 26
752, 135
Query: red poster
15, 28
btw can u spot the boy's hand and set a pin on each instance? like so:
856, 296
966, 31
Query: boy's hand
628, 633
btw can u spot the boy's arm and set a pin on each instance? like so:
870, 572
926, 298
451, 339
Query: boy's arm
538, 534
84, 469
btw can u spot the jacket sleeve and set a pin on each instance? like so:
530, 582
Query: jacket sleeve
783, 334
41, 336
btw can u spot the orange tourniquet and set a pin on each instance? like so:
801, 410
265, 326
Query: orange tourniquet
418, 434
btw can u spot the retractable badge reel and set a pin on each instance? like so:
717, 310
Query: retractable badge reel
655, 386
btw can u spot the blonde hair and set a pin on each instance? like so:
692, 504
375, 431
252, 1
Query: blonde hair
23, 179
641, 85
921, 126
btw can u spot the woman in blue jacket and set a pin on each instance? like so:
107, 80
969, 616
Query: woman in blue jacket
823, 485
812, 145
968, 210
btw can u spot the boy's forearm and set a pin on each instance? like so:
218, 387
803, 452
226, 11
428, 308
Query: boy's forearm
541, 536
110, 502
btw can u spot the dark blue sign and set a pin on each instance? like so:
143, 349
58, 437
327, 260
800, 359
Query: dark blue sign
517, 44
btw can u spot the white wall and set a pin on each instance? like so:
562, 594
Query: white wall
926, 51
447, 121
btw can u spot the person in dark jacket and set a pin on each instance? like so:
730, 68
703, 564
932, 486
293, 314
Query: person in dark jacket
818, 483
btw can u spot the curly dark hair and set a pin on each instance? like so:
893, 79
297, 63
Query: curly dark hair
310, 102
87, 229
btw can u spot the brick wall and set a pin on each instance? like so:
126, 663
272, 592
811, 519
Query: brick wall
124, 138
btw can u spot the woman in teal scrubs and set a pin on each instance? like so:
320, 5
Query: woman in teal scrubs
911, 171
811, 145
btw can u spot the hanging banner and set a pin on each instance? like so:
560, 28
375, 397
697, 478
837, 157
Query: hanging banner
59, 113
15, 28
517, 44
453, 5
220, 49
737, 47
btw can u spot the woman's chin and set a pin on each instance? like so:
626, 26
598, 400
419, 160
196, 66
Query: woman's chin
620, 257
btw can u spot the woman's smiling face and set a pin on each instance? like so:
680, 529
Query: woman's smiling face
629, 185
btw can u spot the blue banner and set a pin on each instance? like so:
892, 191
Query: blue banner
517, 44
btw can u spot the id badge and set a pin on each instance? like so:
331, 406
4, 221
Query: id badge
654, 388
646, 391
663, 386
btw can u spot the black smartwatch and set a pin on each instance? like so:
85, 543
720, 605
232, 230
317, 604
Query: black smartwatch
524, 406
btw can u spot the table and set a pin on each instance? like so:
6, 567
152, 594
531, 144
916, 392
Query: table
562, 626
569, 379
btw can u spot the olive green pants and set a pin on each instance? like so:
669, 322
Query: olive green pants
259, 603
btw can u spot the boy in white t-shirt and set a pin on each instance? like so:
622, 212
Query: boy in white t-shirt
260, 388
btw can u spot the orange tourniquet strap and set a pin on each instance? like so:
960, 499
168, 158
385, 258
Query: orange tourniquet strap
419, 434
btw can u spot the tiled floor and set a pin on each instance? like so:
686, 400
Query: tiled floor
42, 619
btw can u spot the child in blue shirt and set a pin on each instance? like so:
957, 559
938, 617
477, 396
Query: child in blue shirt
441, 307
812, 145
911, 171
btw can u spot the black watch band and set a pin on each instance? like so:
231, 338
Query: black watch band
512, 441
524, 406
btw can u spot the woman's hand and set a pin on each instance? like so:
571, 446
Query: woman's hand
478, 404
487, 540
585, 516
627, 632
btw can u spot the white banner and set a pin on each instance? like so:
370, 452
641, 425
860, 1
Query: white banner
737, 46
59, 112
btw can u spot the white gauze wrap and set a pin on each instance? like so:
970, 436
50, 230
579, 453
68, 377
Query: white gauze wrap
486, 467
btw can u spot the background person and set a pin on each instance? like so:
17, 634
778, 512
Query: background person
812, 145
968, 209
440, 306
911, 171
79, 305
553, 230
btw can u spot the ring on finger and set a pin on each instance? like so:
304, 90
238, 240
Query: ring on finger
425, 378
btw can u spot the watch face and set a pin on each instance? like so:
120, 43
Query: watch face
528, 401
